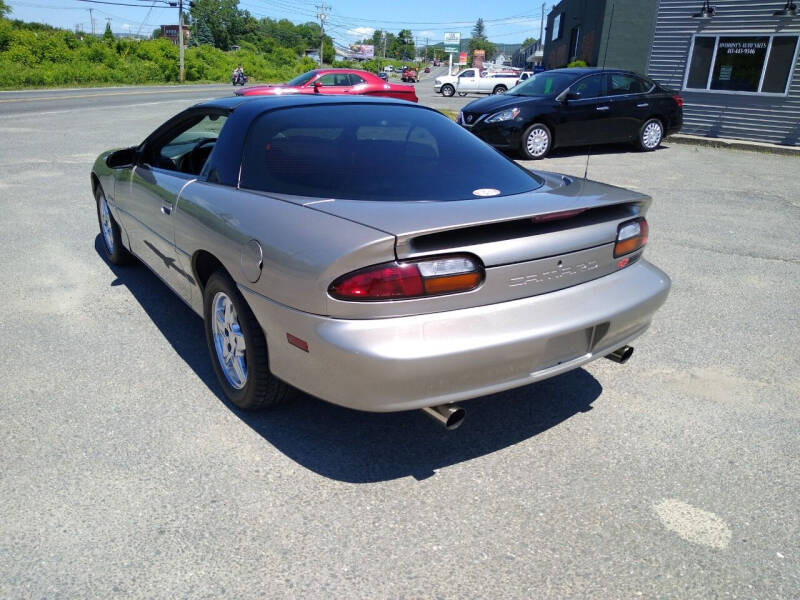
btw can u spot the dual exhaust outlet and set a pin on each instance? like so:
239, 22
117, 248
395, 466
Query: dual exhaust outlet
452, 415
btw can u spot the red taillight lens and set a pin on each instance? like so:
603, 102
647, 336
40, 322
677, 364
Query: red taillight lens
399, 280
631, 235
678, 100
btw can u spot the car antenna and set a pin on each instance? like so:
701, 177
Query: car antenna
602, 68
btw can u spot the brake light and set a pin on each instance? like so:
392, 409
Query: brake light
631, 235
410, 279
678, 100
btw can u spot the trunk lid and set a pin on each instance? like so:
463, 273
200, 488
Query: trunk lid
523, 254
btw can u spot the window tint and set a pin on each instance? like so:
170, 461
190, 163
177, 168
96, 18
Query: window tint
334, 79
380, 152
302, 79
701, 62
469, 73
619, 84
780, 64
187, 148
588, 87
355, 79
542, 84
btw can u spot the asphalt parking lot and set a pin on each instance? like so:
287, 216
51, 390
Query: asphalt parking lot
125, 475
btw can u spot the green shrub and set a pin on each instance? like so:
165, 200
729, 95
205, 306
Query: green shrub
576, 63
33, 55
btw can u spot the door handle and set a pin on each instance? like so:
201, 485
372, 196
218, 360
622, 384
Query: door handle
166, 209
603, 107
642, 105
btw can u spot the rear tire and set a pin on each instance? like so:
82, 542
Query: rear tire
500, 89
448, 90
462, 94
110, 233
650, 135
238, 348
537, 141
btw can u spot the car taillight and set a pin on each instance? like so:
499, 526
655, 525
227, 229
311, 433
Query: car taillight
410, 279
678, 100
631, 235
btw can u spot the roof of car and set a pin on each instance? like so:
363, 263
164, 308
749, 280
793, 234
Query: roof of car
271, 102
586, 70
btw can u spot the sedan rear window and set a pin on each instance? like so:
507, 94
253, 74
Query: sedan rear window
374, 152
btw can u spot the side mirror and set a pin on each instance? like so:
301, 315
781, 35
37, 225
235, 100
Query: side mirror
122, 158
317, 85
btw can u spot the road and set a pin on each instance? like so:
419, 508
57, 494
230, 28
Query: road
125, 475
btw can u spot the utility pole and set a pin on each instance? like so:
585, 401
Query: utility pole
322, 15
91, 18
180, 38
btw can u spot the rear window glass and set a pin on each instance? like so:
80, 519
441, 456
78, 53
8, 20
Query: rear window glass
374, 152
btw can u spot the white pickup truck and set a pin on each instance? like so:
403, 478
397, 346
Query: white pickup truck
470, 81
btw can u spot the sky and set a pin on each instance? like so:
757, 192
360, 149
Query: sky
348, 21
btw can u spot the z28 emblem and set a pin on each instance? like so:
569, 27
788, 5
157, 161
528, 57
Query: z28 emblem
556, 273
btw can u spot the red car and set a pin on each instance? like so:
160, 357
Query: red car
334, 81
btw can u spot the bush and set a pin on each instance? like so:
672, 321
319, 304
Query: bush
576, 63
38, 55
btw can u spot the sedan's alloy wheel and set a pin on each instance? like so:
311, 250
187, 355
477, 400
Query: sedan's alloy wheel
651, 136
229, 341
537, 142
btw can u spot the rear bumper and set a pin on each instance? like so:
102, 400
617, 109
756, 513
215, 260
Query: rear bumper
411, 362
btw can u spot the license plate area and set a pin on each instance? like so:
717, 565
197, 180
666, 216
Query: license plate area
565, 348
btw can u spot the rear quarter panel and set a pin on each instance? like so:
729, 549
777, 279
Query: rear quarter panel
303, 249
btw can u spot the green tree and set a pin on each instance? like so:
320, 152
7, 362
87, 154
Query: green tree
108, 36
528, 41
226, 23
479, 41
479, 30
203, 34
157, 33
5, 9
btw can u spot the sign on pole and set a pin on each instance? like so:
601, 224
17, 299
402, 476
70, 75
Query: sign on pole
452, 42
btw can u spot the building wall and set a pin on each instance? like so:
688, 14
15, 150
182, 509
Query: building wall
628, 33
739, 116
615, 32
588, 14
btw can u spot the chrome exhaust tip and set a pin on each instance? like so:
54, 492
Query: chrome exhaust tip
449, 415
621, 355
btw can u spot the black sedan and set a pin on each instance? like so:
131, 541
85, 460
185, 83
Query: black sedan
574, 107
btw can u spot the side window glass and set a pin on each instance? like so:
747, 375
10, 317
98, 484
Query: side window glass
355, 79
327, 80
468, 74
187, 149
620, 84
589, 87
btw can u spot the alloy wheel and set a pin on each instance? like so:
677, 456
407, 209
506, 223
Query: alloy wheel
229, 341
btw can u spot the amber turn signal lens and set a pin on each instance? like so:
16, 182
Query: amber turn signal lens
631, 235
452, 283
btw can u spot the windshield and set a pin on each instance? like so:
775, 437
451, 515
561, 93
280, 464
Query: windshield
374, 152
302, 79
543, 84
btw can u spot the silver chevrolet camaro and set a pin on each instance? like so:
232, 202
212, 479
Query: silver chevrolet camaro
374, 254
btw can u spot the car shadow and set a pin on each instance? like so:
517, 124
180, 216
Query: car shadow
361, 447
